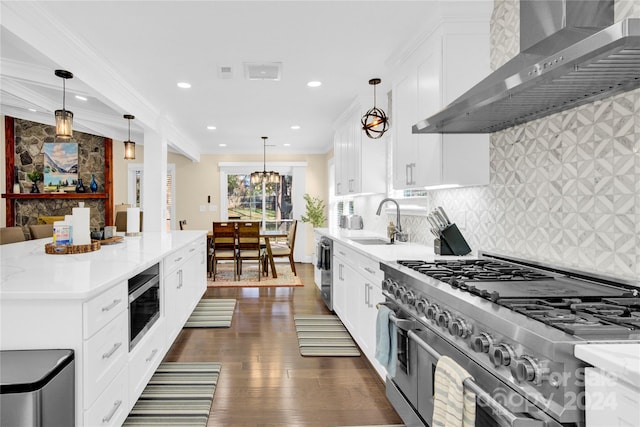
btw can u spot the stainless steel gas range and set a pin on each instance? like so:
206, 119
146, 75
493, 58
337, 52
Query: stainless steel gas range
512, 325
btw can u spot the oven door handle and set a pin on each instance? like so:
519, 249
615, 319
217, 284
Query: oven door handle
505, 417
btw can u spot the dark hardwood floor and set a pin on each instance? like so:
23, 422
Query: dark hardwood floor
265, 381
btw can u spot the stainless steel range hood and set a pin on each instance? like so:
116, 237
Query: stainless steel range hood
585, 58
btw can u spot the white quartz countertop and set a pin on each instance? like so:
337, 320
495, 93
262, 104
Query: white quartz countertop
26, 271
394, 252
621, 360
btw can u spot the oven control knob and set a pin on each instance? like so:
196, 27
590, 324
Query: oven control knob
459, 328
502, 355
386, 284
444, 319
421, 305
481, 343
399, 292
432, 311
526, 368
393, 285
409, 298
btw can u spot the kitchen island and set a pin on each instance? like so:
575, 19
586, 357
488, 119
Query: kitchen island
80, 302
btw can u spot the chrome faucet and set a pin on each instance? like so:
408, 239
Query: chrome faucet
399, 235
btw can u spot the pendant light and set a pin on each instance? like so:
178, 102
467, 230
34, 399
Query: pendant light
269, 177
375, 122
129, 145
64, 118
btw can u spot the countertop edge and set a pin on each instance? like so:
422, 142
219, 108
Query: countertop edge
619, 359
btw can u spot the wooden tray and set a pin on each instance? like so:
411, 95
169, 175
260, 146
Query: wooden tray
50, 248
112, 240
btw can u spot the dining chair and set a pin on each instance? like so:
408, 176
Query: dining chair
249, 245
223, 246
286, 249
11, 235
41, 231
183, 224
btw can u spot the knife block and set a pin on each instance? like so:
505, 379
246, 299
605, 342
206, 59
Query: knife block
451, 242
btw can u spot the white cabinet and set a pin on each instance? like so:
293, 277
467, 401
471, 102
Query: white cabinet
357, 290
446, 64
610, 401
359, 160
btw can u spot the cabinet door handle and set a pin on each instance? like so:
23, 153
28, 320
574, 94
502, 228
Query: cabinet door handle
153, 353
366, 294
192, 249
109, 353
179, 279
340, 272
112, 412
370, 270
112, 305
342, 253
406, 173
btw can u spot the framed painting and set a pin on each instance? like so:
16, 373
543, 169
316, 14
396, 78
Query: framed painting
60, 166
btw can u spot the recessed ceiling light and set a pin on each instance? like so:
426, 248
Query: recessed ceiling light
33, 110
287, 145
184, 85
314, 83
295, 127
222, 145
211, 127
81, 98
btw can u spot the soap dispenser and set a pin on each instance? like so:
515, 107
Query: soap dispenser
391, 231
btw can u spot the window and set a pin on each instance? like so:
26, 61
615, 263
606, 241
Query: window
271, 204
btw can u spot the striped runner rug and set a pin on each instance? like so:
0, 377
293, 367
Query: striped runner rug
323, 335
212, 313
178, 394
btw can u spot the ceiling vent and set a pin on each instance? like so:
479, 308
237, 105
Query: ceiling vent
225, 72
263, 70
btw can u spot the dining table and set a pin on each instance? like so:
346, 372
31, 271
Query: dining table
267, 235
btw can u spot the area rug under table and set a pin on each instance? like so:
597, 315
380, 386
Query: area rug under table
249, 277
212, 313
323, 335
178, 394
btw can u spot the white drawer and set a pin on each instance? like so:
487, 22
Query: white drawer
370, 269
345, 252
145, 358
175, 259
112, 407
104, 356
102, 309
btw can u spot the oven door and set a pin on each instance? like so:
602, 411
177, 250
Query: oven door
144, 309
426, 348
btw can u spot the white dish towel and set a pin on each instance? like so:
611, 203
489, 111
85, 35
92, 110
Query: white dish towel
454, 405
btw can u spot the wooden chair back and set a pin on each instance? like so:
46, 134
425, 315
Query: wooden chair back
11, 235
121, 221
248, 235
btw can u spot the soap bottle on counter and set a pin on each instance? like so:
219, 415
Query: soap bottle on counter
391, 231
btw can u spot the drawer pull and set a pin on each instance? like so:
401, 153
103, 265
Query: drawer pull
179, 280
113, 411
342, 253
153, 353
370, 270
110, 306
177, 259
192, 249
109, 353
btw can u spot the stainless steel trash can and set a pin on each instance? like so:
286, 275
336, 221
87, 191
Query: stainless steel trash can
37, 388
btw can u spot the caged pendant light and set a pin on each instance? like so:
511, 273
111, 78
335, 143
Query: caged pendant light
64, 118
269, 177
375, 122
129, 145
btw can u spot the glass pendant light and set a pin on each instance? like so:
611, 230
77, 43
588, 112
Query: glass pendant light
64, 118
129, 145
268, 177
375, 122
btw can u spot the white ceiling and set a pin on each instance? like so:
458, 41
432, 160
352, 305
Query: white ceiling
130, 54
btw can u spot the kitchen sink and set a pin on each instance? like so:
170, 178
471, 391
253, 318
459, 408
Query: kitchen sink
370, 241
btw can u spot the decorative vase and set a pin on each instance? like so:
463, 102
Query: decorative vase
34, 187
93, 185
80, 187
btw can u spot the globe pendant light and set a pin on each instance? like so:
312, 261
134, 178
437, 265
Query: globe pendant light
269, 177
129, 145
375, 122
64, 118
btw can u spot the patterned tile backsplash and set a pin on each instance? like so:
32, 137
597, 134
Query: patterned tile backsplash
564, 189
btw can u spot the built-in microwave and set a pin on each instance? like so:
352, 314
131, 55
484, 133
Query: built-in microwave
144, 303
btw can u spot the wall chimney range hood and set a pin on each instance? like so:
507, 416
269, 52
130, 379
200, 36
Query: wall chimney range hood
571, 54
